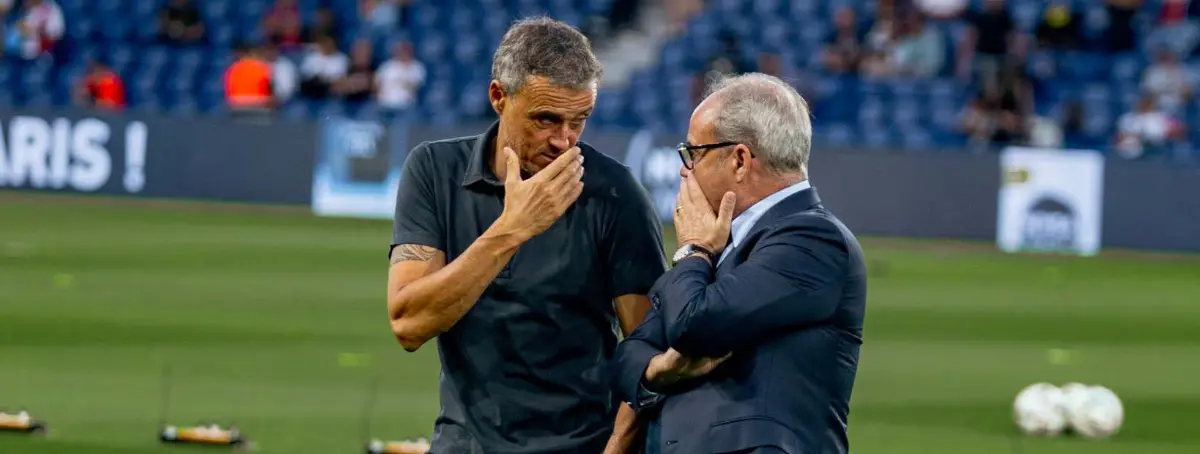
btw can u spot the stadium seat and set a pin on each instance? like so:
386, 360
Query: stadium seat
456, 38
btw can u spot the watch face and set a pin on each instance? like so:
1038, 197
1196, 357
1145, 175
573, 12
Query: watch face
682, 252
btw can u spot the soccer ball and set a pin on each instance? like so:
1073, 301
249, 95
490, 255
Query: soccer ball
1073, 396
1094, 412
1038, 410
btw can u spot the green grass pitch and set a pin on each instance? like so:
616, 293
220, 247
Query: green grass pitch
256, 310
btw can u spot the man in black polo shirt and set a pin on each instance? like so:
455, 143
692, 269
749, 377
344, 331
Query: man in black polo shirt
523, 265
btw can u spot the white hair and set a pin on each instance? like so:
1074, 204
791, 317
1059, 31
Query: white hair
767, 115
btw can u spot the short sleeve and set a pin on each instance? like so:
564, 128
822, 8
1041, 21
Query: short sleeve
416, 220
634, 244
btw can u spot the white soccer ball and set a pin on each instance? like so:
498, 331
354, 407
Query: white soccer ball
1098, 413
1073, 396
1038, 410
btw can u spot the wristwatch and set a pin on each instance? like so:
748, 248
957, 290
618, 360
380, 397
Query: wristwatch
689, 249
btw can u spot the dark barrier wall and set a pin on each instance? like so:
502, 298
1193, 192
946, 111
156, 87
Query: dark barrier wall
200, 158
910, 194
1149, 205
1146, 205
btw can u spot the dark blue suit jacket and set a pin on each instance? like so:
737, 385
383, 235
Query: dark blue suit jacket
789, 303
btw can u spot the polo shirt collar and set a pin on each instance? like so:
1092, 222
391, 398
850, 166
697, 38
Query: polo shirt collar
478, 169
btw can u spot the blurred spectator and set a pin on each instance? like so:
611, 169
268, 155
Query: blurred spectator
359, 81
322, 67
679, 12
325, 23
882, 30
283, 26
179, 23
38, 30
1146, 129
941, 9
380, 16
1072, 117
844, 46
248, 81
1166, 81
1044, 133
770, 63
399, 79
991, 43
5, 8
101, 88
405, 7
621, 14
916, 50
1174, 28
727, 60
1119, 35
999, 113
284, 77
1059, 27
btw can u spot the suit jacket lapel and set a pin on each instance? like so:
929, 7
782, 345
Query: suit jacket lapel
801, 201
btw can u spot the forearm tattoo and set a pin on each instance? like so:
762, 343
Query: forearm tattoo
407, 252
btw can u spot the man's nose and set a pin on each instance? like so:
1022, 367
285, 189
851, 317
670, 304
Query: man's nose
560, 144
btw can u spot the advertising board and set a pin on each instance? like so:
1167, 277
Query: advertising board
1050, 201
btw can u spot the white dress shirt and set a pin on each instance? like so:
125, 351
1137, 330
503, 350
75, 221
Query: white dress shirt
744, 222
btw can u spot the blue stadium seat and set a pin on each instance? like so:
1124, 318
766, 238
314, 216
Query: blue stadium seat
185, 105
1082, 66
1026, 15
80, 29
473, 99
610, 107
455, 40
916, 138
804, 10
468, 49
145, 10
215, 12
222, 34
1126, 67
74, 9
876, 137
775, 33
873, 112
1125, 95
908, 114
836, 135
332, 108
597, 6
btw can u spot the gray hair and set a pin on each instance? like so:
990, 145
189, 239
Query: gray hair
541, 46
766, 114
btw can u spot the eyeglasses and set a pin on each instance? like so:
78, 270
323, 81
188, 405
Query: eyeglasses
690, 153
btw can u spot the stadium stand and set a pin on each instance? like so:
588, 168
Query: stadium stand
1083, 89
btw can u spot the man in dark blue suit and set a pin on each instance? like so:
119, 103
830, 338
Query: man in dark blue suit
752, 342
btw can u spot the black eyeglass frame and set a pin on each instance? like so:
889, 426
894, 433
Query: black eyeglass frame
689, 158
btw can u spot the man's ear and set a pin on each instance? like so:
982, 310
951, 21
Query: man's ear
742, 155
497, 97
741, 158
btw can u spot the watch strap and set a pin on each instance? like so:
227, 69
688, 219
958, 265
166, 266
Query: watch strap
689, 249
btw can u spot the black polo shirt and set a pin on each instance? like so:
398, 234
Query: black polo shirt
523, 370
